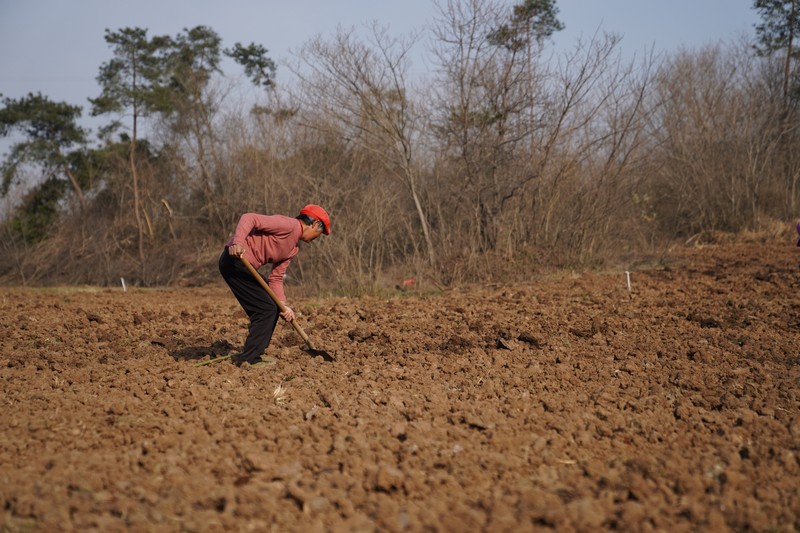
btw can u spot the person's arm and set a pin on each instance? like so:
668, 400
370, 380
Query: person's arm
243, 228
275, 281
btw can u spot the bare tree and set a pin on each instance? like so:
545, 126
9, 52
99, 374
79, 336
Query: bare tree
359, 89
481, 96
538, 150
722, 142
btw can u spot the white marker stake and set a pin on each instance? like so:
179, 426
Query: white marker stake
124, 288
628, 276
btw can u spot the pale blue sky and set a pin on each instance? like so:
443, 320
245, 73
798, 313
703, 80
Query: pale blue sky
56, 46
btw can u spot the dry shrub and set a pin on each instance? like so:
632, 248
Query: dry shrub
498, 165
768, 230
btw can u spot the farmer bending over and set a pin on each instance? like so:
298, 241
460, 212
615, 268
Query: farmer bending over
263, 239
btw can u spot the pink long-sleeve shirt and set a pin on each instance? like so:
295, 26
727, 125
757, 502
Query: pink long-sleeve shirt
269, 239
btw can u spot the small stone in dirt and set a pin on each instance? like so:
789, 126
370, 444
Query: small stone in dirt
316, 504
457, 342
530, 339
503, 344
360, 334
476, 423
580, 333
709, 323
388, 478
399, 430
587, 513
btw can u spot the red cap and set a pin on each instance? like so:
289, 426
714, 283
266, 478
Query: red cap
316, 212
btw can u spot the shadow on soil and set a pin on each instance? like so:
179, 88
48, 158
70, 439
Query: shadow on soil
194, 353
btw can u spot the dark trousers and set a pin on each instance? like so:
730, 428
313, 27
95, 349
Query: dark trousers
255, 301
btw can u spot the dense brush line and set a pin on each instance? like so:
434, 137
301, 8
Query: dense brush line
501, 160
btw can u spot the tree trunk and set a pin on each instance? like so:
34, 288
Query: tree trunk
136, 203
74, 181
423, 220
787, 65
76, 186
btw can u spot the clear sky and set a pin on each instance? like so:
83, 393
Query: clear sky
56, 46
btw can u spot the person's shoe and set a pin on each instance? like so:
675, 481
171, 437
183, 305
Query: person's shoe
259, 362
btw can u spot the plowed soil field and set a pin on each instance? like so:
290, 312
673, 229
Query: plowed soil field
569, 403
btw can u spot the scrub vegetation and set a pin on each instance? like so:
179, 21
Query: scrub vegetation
504, 156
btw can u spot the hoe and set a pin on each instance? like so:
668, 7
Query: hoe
309, 346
